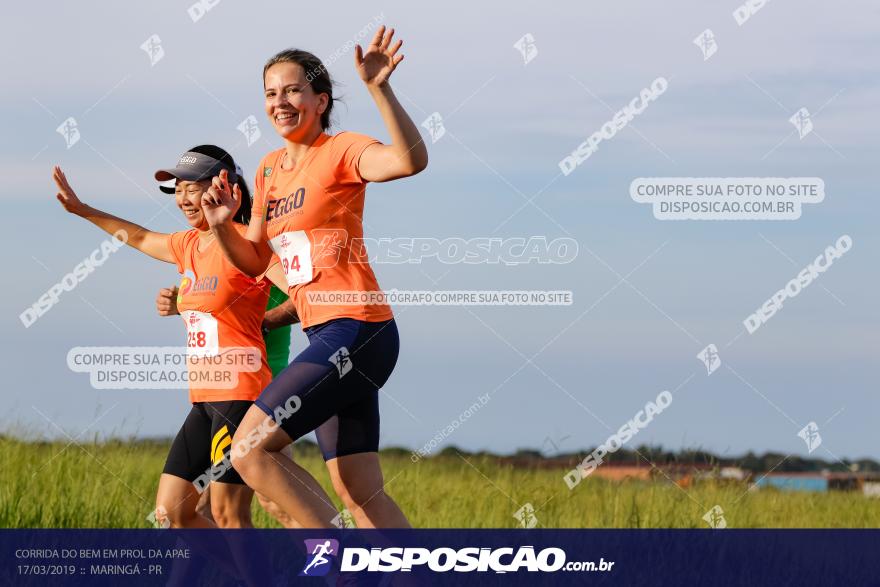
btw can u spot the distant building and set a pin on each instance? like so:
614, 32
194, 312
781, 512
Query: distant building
734, 473
686, 475
622, 472
866, 483
871, 488
794, 481
681, 474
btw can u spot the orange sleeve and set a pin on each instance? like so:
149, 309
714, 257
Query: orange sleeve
346, 149
258, 205
176, 246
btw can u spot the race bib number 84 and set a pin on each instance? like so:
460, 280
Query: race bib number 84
294, 251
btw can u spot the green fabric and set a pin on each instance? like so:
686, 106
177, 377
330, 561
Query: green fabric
277, 340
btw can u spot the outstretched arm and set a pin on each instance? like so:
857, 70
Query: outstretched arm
154, 244
407, 154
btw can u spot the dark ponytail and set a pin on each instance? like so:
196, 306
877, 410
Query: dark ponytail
243, 216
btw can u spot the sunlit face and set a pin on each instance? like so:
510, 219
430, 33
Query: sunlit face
291, 104
188, 195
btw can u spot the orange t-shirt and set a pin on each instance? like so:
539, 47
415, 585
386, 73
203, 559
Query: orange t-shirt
222, 308
314, 220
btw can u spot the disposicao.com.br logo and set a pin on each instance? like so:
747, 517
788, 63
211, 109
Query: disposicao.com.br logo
464, 560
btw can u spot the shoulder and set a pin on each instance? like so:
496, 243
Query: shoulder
179, 243
183, 238
268, 162
349, 138
344, 152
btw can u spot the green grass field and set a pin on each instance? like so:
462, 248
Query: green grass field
113, 484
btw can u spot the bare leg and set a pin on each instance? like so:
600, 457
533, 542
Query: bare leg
269, 471
203, 508
231, 505
357, 480
272, 508
176, 502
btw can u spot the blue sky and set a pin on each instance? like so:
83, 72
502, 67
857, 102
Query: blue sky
508, 126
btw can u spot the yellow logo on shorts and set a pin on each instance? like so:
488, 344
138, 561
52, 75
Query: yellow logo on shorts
220, 442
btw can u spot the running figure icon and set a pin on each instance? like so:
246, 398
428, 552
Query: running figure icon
321, 552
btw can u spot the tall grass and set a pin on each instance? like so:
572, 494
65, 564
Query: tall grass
113, 484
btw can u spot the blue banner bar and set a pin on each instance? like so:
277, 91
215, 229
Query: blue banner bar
439, 557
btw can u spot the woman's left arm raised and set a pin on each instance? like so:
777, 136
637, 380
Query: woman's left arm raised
407, 153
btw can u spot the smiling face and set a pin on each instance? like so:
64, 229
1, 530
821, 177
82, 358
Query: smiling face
188, 195
292, 105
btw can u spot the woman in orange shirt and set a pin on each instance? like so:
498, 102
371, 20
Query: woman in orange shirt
223, 311
308, 209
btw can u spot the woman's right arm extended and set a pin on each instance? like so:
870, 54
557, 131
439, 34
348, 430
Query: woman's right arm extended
250, 255
154, 244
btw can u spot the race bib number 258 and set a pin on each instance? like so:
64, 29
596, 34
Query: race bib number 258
202, 339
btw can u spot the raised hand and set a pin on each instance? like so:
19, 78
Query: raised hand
377, 64
66, 195
166, 301
219, 203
